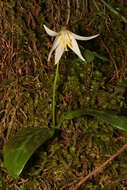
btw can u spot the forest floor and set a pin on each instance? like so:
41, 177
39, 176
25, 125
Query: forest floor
26, 82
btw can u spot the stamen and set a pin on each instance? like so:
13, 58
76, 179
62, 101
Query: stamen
69, 40
63, 41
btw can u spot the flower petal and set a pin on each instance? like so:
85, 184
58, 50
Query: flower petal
55, 44
77, 37
50, 32
58, 53
75, 48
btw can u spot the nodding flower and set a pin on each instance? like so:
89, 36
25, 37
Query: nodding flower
65, 39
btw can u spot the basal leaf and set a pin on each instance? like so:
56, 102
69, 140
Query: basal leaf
20, 147
111, 118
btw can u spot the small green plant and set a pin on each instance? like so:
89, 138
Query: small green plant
20, 148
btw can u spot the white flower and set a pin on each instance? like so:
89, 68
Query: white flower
65, 39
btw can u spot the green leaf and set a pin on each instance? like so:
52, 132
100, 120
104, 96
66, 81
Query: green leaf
20, 148
89, 55
103, 58
111, 118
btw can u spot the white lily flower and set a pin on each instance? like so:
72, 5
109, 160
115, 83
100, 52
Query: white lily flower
65, 39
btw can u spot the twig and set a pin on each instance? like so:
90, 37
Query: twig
110, 56
100, 168
13, 112
124, 63
68, 14
114, 11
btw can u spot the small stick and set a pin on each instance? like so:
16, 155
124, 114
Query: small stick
69, 9
110, 56
100, 168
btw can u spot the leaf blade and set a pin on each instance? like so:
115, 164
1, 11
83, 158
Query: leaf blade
20, 148
117, 121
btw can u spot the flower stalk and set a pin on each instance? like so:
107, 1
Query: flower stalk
54, 95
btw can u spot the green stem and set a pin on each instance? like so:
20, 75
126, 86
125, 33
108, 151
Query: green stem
54, 95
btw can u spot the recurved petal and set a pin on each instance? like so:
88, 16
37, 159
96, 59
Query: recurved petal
50, 32
55, 44
75, 48
77, 37
58, 53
